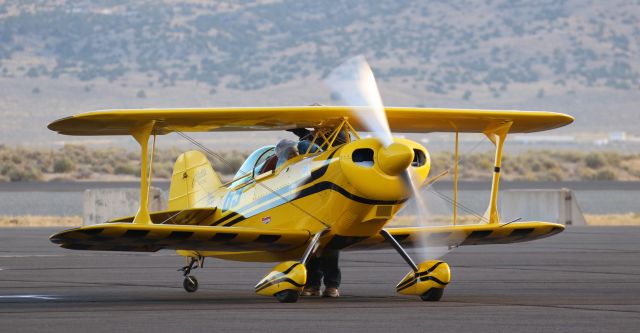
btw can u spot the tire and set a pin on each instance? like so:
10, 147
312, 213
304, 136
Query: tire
190, 284
433, 295
287, 296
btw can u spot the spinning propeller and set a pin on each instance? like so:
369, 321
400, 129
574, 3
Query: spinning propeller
354, 83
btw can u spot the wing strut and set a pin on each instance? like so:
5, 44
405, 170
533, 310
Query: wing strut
497, 134
142, 133
455, 181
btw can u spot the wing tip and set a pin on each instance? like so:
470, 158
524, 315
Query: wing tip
56, 124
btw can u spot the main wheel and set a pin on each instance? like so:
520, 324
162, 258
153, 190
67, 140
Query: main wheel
190, 284
433, 295
287, 296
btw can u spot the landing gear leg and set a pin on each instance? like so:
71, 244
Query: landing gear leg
190, 282
426, 280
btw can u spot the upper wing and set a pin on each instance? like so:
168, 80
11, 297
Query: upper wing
153, 237
477, 234
408, 120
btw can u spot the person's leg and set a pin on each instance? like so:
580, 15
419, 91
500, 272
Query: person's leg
331, 272
314, 277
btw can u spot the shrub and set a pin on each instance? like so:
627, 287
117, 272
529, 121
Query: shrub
586, 174
569, 156
106, 168
595, 160
125, 169
611, 158
84, 172
63, 164
23, 174
605, 174
162, 170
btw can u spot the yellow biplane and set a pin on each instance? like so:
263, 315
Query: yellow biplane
338, 192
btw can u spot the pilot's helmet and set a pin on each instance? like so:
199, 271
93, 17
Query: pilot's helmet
286, 149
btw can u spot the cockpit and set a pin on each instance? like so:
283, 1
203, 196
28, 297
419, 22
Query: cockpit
266, 159
252, 165
269, 158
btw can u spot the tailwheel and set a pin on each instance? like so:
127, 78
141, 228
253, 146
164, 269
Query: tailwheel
190, 283
433, 295
287, 296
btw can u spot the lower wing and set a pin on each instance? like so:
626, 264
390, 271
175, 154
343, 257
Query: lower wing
477, 234
154, 237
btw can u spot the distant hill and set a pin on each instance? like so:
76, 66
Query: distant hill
60, 57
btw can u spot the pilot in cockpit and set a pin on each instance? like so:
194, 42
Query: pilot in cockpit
285, 150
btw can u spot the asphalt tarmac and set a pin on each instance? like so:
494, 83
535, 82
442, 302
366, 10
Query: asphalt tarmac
586, 279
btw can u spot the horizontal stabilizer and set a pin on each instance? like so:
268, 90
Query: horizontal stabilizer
190, 216
154, 237
476, 234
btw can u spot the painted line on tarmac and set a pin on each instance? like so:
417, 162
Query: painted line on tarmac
84, 255
43, 297
30, 255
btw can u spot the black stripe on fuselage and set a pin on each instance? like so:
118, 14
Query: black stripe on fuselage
224, 218
340, 242
313, 189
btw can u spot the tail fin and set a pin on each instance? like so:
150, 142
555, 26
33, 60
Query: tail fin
193, 180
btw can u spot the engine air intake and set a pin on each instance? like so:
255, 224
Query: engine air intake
363, 157
419, 158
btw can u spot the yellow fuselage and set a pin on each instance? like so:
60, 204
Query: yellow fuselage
341, 189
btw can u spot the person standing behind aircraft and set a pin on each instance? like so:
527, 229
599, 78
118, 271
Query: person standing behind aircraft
323, 268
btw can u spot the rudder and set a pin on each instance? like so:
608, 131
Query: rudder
193, 182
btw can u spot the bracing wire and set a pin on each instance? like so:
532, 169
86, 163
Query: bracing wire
449, 200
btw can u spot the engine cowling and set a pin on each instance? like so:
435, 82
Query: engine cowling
376, 171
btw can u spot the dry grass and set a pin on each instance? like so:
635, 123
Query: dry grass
77, 162
40, 221
629, 219
435, 220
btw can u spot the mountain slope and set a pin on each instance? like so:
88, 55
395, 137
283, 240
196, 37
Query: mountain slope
573, 56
